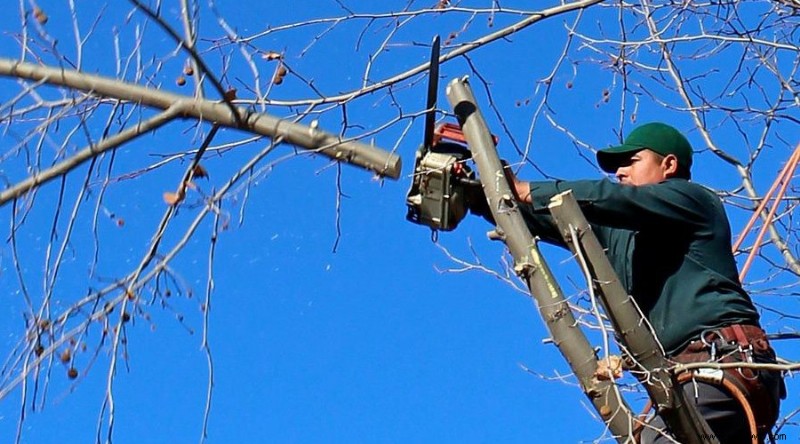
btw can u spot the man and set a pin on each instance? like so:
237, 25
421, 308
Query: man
669, 241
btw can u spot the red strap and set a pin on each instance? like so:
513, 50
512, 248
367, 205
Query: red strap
738, 333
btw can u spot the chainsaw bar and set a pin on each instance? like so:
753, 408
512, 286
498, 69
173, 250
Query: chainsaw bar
433, 91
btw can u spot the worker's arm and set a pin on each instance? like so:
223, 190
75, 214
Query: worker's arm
673, 203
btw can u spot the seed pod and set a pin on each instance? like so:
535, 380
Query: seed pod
39, 15
281, 71
271, 55
72, 373
126, 317
188, 70
66, 355
199, 171
181, 80
172, 198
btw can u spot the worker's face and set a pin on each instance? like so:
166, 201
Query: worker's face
646, 167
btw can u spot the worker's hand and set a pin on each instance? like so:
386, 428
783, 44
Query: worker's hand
608, 368
521, 190
476, 201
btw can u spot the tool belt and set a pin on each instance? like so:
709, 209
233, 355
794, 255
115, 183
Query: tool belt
739, 343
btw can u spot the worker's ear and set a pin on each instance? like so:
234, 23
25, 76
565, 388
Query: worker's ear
670, 165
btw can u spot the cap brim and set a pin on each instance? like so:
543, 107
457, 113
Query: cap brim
611, 158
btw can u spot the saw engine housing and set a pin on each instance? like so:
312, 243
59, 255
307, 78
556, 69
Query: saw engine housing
438, 194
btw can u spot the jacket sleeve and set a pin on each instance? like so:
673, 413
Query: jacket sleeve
674, 203
542, 225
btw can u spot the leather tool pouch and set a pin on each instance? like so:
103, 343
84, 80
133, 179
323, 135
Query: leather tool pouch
748, 344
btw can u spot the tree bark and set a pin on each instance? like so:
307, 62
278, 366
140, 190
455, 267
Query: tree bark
632, 331
366, 156
531, 267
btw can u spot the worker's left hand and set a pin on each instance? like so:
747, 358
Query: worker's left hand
608, 368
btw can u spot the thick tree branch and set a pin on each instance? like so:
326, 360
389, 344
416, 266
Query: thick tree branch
346, 150
531, 267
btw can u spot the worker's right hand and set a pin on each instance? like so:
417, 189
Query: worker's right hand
521, 190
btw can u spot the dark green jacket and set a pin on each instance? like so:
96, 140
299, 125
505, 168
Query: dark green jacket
670, 244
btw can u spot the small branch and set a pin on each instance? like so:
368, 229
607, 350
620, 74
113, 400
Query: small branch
90, 152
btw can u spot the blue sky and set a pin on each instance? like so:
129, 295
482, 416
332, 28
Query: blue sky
379, 341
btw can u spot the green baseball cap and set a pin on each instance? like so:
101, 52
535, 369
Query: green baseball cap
655, 136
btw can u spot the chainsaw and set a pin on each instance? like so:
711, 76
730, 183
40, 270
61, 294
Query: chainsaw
442, 178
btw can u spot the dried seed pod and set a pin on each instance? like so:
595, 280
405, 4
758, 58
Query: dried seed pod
126, 317
230, 95
39, 15
39, 350
188, 70
66, 355
199, 171
72, 373
271, 55
281, 71
172, 198
181, 80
